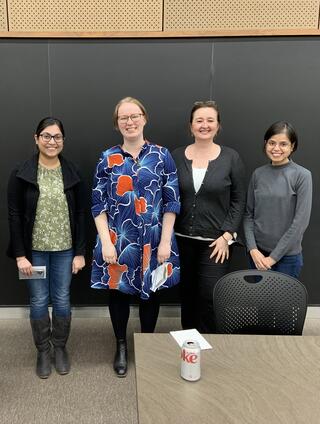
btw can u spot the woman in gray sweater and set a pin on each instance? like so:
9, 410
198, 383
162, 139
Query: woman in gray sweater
278, 205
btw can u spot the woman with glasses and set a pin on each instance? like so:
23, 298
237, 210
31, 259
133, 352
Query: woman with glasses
135, 201
212, 190
47, 230
278, 205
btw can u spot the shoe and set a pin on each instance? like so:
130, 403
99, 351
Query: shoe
43, 367
61, 360
120, 360
59, 337
41, 330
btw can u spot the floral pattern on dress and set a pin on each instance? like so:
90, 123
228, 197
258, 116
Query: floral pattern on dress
135, 194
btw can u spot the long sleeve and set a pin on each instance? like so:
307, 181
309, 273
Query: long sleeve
135, 200
237, 196
278, 209
170, 189
15, 195
248, 221
301, 216
80, 218
99, 198
219, 204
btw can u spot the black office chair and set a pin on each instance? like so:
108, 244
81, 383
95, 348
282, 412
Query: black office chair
259, 302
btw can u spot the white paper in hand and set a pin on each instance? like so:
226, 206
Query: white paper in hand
159, 276
38, 272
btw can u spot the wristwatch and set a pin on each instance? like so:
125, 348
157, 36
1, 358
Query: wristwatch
233, 234
233, 239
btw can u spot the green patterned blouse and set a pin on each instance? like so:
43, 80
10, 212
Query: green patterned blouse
51, 231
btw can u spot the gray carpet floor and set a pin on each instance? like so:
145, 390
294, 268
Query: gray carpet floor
91, 393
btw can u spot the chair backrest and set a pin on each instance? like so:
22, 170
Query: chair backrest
259, 302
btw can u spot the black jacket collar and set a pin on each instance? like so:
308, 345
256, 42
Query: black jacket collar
29, 169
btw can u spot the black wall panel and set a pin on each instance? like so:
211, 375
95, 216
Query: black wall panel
255, 81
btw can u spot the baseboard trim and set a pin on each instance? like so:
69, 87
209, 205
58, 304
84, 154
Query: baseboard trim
22, 312
313, 312
166, 311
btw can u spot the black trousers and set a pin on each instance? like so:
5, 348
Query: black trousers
119, 307
199, 275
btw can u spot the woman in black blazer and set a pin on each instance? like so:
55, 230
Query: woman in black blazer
47, 228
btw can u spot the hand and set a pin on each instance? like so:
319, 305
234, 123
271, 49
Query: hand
77, 264
261, 262
109, 253
164, 251
221, 250
269, 262
24, 265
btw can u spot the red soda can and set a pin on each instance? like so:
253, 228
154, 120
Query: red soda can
190, 360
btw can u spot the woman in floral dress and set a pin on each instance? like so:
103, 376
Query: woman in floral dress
135, 201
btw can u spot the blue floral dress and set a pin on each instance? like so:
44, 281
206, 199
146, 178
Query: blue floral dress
134, 194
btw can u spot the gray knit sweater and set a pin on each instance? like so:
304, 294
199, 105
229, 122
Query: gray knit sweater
278, 209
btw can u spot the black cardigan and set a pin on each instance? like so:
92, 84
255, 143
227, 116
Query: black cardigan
23, 194
219, 204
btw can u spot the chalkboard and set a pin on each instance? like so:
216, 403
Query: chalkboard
255, 81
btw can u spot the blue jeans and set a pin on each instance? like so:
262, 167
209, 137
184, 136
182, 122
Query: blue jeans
288, 264
55, 287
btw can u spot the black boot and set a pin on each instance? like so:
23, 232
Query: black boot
41, 330
120, 359
60, 334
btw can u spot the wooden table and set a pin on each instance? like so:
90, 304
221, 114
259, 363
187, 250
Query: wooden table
245, 379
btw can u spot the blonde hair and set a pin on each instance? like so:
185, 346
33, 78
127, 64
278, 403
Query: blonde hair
128, 100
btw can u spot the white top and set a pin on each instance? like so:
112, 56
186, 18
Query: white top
198, 177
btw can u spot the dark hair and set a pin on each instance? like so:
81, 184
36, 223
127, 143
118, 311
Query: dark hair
282, 127
46, 122
206, 103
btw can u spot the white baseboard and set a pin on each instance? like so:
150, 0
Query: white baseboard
22, 312
313, 312
167, 311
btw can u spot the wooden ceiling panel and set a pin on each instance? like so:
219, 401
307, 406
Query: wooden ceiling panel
240, 14
3, 15
85, 15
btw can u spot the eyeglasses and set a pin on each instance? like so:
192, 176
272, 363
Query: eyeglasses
135, 117
46, 137
282, 144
